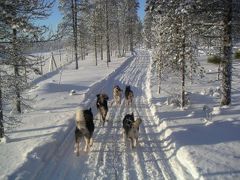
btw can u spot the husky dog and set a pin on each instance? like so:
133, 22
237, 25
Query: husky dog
131, 129
117, 94
84, 128
102, 106
128, 95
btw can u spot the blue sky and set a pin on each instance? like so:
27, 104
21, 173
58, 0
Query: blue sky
141, 12
55, 17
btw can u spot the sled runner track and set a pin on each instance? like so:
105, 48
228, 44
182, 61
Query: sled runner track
110, 157
143, 153
152, 144
105, 163
155, 167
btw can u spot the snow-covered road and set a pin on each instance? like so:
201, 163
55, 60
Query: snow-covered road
173, 144
110, 157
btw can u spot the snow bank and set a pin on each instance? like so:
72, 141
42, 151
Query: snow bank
199, 148
181, 157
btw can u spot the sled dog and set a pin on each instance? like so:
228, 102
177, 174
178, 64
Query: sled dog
117, 94
131, 129
102, 106
128, 95
84, 128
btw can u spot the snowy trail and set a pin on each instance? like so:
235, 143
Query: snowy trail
110, 157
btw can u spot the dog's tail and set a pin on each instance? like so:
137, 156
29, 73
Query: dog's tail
79, 115
137, 122
80, 120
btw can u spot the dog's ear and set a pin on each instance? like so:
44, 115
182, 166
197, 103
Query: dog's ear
105, 96
132, 115
90, 109
98, 95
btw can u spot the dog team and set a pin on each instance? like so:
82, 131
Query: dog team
84, 119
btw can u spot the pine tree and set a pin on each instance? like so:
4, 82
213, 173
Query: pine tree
132, 18
17, 32
68, 26
175, 37
148, 36
222, 18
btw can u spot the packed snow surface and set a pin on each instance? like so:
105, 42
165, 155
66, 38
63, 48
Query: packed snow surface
173, 143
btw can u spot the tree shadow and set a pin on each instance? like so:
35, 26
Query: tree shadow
55, 87
60, 109
36, 129
28, 137
198, 134
36, 158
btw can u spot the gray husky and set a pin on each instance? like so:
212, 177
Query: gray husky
84, 128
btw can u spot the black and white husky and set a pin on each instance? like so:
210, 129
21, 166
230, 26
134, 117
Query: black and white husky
84, 128
102, 106
131, 129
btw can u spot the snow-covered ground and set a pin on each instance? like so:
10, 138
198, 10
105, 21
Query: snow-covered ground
173, 144
208, 149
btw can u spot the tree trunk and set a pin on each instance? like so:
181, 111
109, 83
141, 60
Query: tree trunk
81, 46
18, 96
183, 84
131, 37
74, 26
107, 34
1, 113
130, 25
159, 77
227, 56
16, 73
101, 47
118, 39
183, 103
95, 46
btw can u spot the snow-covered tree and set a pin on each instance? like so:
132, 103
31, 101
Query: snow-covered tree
148, 36
68, 26
175, 39
220, 22
83, 26
17, 31
132, 19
